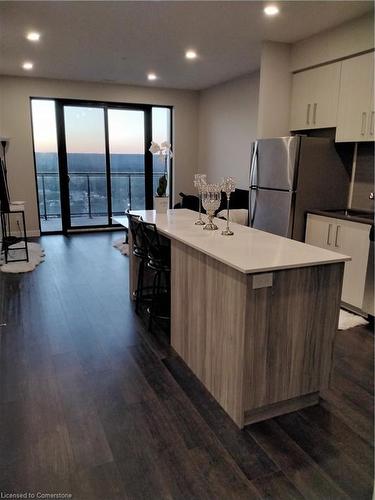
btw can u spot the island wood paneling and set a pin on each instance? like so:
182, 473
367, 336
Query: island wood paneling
208, 314
260, 352
290, 329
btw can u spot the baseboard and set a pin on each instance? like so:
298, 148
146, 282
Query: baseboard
280, 408
30, 233
34, 233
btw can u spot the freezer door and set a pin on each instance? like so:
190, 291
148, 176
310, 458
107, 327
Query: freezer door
274, 163
272, 211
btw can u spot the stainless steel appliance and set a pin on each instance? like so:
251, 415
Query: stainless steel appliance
290, 175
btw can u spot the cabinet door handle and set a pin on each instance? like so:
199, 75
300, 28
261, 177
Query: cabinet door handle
363, 128
329, 235
314, 113
337, 236
308, 114
372, 122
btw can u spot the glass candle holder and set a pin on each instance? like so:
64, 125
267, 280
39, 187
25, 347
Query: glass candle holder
200, 180
228, 186
211, 197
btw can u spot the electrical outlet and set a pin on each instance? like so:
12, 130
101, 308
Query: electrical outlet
263, 280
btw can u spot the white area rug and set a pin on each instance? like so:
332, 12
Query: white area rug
349, 320
121, 246
36, 256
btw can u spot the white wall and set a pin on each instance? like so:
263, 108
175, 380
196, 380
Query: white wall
15, 122
274, 90
227, 126
347, 39
213, 129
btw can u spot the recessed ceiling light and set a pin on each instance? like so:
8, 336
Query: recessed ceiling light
190, 54
33, 36
151, 76
271, 10
27, 65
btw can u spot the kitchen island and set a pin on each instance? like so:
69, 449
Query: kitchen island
253, 315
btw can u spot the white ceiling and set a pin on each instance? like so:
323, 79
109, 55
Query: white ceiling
121, 41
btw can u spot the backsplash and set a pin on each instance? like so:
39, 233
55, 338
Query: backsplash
364, 179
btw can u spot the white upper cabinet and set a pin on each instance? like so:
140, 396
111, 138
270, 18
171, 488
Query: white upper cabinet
302, 97
355, 119
315, 95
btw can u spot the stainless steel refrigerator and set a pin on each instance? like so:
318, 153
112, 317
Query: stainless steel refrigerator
288, 177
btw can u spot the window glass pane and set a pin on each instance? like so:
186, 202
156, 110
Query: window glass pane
126, 146
161, 132
46, 163
85, 148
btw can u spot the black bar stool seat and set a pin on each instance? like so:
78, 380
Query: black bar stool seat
158, 261
139, 250
161, 261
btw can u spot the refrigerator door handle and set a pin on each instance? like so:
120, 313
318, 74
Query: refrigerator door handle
254, 163
253, 204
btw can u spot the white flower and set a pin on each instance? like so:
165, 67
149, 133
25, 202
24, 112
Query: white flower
164, 150
155, 148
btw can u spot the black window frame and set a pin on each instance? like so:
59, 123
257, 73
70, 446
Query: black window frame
62, 157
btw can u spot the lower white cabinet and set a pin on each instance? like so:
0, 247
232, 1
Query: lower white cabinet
349, 238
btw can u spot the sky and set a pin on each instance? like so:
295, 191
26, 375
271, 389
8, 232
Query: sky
84, 128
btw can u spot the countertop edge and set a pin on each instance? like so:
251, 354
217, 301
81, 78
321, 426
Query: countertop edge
242, 270
258, 270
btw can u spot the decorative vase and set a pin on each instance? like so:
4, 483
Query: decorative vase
200, 181
211, 197
161, 204
228, 186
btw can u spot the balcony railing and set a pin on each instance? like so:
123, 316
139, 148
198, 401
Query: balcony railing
88, 193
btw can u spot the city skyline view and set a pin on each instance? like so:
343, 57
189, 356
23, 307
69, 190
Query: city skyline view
84, 128
86, 159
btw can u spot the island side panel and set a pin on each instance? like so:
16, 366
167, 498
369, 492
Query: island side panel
208, 308
290, 329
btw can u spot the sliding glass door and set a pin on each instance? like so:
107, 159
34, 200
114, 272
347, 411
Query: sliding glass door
86, 166
104, 158
126, 137
102, 164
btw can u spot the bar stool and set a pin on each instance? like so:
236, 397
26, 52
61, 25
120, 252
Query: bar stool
158, 261
139, 250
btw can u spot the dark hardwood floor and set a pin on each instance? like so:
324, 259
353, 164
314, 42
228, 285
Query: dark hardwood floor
94, 406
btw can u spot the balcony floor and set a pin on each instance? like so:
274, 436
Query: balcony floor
54, 224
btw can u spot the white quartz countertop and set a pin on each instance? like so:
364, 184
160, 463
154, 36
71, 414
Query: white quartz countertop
248, 250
